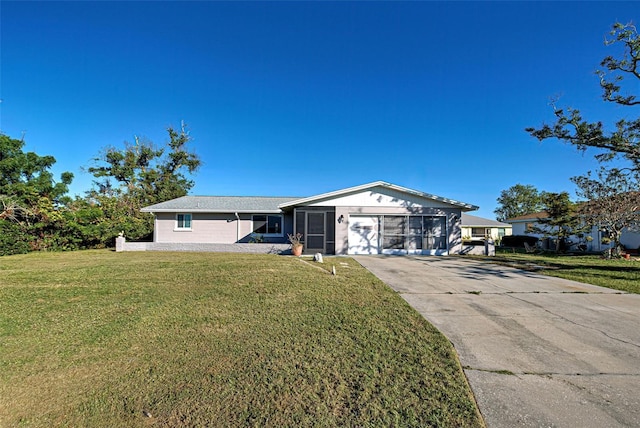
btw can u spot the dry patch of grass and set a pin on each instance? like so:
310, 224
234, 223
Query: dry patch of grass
106, 339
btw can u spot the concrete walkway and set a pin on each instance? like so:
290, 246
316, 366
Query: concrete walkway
538, 351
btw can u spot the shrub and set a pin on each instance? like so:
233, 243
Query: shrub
473, 242
13, 239
518, 240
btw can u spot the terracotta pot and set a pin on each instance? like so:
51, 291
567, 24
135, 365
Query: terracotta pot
296, 250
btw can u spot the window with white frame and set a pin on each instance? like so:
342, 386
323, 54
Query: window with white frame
183, 221
264, 224
478, 232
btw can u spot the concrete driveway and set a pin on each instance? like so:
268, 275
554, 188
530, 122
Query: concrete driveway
538, 351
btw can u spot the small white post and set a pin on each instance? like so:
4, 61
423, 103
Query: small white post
120, 240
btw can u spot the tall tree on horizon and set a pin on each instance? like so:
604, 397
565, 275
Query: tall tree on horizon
138, 175
518, 200
31, 199
562, 220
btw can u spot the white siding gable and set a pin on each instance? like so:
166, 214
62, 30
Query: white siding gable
381, 197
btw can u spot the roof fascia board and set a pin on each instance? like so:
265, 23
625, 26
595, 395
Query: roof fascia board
213, 211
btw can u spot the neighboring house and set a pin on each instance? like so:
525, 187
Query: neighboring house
525, 224
474, 227
374, 218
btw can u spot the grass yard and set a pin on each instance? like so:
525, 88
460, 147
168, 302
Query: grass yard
617, 274
105, 339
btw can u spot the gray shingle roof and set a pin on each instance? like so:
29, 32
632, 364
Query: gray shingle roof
472, 220
263, 204
529, 217
275, 204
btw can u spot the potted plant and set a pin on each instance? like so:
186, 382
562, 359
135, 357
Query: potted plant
296, 244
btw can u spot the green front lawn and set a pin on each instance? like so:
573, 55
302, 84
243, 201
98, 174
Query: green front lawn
618, 274
104, 339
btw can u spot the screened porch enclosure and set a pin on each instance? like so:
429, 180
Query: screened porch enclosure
413, 233
398, 234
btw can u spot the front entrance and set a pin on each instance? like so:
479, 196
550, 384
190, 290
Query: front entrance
315, 238
316, 224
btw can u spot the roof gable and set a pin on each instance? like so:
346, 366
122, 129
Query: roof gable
378, 193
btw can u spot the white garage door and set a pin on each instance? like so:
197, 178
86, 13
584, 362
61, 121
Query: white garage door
363, 235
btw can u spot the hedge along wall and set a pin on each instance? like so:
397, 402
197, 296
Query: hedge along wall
518, 240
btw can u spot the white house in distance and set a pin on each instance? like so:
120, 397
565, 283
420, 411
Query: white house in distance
593, 239
373, 218
474, 227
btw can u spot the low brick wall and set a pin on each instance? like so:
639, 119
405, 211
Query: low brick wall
488, 249
122, 245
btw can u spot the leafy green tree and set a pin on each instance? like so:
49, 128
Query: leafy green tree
138, 175
624, 140
30, 198
611, 203
562, 219
26, 177
518, 200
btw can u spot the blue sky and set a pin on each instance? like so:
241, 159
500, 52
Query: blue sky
302, 98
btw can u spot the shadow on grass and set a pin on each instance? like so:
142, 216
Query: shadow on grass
616, 274
630, 266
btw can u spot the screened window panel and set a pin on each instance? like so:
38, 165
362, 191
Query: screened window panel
393, 242
300, 217
315, 242
429, 225
435, 226
394, 225
316, 223
331, 248
331, 228
440, 243
415, 225
430, 243
414, 243
440, 228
